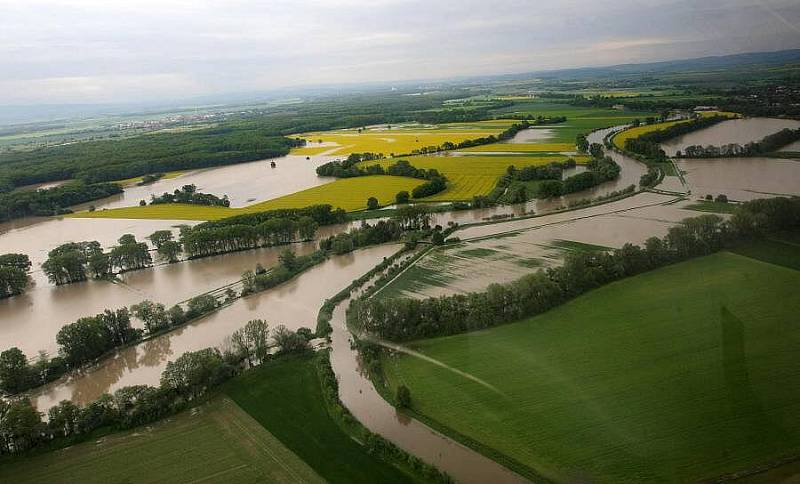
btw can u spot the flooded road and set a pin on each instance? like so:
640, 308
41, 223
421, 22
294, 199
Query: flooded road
294, 304
742, 178
740, 131
359, 395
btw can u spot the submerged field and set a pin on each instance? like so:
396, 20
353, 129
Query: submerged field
214, 442
680, 374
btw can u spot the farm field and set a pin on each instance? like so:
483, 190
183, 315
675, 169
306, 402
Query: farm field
397, 140
348, 194
521, 147
285, 396
472, 175
630, 133
639, 380
216, 441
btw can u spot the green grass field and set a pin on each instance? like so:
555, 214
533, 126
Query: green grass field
680, 374
285, 396
216, 442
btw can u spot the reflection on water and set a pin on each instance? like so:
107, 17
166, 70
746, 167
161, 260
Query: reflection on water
742, 178
741, 131
294, 304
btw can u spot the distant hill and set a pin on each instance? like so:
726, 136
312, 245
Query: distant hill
705, 63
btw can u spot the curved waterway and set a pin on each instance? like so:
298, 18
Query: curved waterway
294, 304
740, 131
359, 395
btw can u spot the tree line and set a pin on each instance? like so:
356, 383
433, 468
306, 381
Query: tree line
189, 194
206, 241
52, 201
409, 319
511, 187
768, 144
13, 274
184, 380
91, 337
76, 261
648, 145
109, 160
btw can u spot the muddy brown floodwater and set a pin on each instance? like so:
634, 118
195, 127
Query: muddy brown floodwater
294, 304
244, 183
742, 178
30, 321
741, 131
365, 403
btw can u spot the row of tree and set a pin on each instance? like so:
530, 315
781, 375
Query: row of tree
648, 144
202, 242
768, 144
183, 381
75, 261
408, 319
90, 337
52, 201
189, 194
13, 274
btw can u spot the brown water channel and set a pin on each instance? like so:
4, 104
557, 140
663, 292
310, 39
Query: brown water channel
740, 131
294, 304
359, 395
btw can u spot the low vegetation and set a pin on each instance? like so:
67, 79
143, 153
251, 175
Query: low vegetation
627, 408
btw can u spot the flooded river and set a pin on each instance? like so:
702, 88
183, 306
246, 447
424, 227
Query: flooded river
741, 131
742, 178
294, 304
244, 183
365, 403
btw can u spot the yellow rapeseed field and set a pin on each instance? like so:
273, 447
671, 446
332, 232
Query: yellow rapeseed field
521, 148
468, 176
630, 133
397, 140
347, 193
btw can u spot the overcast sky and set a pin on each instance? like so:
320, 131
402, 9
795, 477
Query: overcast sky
89, 51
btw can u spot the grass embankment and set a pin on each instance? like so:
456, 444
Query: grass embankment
286, 397
712, 207
217, 441
679, 374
